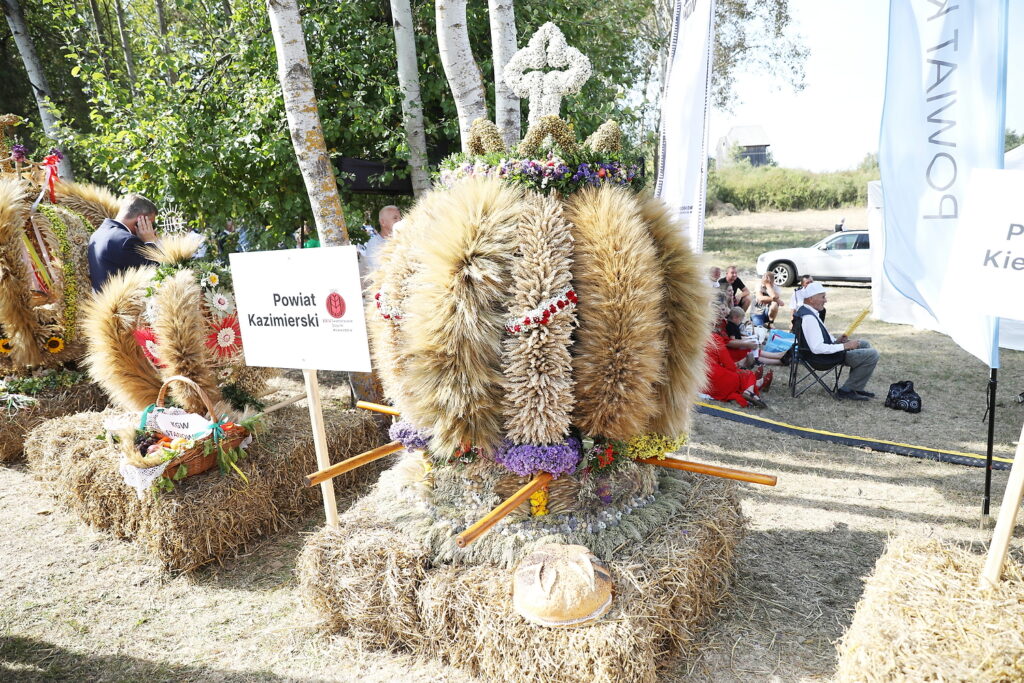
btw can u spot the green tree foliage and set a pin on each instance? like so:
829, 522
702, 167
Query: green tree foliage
202, 126
15, 93
769, 188
754, 34
1013, 140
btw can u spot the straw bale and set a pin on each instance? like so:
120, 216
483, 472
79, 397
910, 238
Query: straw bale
374, 580
53, 403
209, 517
923, 618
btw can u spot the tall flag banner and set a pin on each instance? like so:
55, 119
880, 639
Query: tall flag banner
685, 103
945, 103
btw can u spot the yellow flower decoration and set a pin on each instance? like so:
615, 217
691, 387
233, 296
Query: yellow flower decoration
539, 503
645, 446
6, 346
54, 344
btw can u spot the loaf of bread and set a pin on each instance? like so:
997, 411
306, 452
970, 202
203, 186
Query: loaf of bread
561, 585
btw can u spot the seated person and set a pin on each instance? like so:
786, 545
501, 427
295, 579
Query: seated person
766, 302
740, 293
816, 344
797, 299
726, 382
715, 275
115, 245
740, 347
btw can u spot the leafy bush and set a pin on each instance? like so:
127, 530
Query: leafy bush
769, 188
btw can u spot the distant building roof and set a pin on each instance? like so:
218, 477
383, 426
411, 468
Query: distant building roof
748, 136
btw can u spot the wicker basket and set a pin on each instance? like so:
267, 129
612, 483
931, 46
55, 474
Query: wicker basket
196, 459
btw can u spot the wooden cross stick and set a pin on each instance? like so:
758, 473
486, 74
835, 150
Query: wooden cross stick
352, 463
1003, 532
714, 471
377, 408
491, 518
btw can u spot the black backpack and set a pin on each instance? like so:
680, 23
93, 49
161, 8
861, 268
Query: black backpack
902, 396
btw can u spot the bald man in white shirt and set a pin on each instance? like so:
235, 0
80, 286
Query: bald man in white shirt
819, 345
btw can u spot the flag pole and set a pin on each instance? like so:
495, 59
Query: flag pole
992, 383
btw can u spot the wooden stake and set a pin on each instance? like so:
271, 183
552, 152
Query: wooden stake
285, 403
324, 474
377, 408
491, 518
323, 458
1012, 497
723, 472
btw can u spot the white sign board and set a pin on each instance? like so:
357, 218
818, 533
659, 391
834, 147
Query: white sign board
182, 425
988, 250
301, 308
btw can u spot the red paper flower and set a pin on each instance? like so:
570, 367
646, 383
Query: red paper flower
606, 458
226, 337
146, 338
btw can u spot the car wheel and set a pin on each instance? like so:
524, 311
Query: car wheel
784, 273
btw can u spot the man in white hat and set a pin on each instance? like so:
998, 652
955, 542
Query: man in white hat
819, 345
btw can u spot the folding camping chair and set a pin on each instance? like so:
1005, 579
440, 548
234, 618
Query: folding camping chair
804, 373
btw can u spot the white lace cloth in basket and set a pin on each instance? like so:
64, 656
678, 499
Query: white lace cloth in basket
140, 478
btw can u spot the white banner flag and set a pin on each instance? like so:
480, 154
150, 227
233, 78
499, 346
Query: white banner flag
943, 117
685, 103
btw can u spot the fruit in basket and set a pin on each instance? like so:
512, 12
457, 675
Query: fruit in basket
145, 443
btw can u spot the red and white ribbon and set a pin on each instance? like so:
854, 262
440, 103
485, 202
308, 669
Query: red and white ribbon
542, 314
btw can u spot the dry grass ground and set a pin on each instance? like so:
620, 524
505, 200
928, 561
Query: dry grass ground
75, 604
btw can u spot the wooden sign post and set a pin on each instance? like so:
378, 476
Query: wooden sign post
323, 457
303, 309
1012, 497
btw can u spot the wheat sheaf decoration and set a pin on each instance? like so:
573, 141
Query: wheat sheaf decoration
44, 272
175, 317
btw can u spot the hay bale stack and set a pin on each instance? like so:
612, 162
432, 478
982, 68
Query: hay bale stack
922, 617
374, 580
50, 404
210, 518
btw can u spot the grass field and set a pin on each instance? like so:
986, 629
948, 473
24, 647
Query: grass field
77, 604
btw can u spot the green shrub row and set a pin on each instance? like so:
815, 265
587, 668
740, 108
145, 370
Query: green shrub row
769, 188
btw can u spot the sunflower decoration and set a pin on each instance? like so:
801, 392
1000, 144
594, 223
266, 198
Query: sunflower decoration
54, 345
226, 337
5, 346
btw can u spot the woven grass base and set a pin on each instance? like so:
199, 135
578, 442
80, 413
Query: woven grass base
371, 579
210, 517
923, 618
14, 428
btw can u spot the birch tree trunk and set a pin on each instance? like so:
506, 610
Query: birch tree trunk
126, 45
503, 45
296, 77
461, 69
412, 105
37, 79
226, 6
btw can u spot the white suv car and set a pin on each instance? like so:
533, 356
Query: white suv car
840, 256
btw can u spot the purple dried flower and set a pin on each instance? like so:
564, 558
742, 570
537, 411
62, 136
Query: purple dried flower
411, 437
526, 460
58, 153
19, 153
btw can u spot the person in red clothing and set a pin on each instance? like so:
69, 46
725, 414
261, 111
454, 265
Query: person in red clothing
726, 382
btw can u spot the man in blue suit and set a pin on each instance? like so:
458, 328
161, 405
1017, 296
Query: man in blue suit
115, 246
